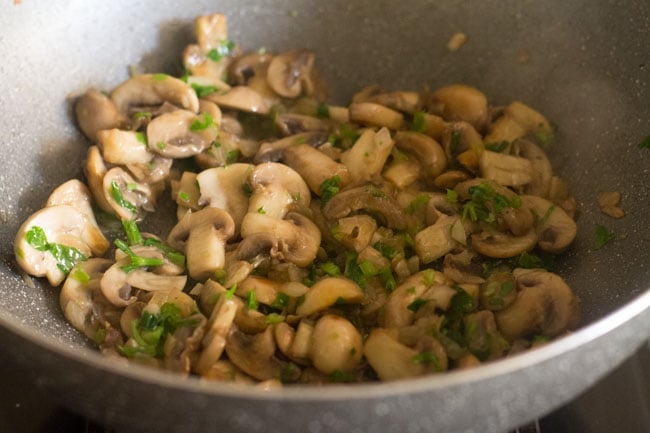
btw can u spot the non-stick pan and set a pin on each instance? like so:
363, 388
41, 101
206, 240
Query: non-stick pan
584, 64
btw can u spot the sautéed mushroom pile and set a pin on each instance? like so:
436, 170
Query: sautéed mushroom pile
407, 233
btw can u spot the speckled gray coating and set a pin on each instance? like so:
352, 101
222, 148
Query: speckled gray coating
588, 70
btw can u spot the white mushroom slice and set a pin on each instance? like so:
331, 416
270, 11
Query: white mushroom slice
542, 172
255, 354
74, 193
274, 150
266, 290
314, 166
403, 171
366, 158
289, 73
218, 328
126, 197
518, 120
301, 343
181, 134
390, 359
211, 30
225, 188
336, 344
556, 230
425, 149
355, 231
187, 192
408, 102
545, 304
204, 85
212, 109
397, 313
154, 89
297, 237
372, 114
95, 111
249, 66
275, 189
95, 169
75, 297
496, 244
326, 292
608, 202
506, 170
458, 102
202, 235
61, 225
124, 147
240, 98
436, 240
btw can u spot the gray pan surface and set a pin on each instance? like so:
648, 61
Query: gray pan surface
584, 64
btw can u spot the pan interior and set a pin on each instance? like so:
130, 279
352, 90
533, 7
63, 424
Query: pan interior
580, 63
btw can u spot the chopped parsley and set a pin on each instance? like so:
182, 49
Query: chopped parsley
427, 358
451, 196
159, 77
339, 376
116, 194
174, 256
260, 210
603, 236
232, 156
132, 232
203, 91
498, 146
66, 257
645, 143
231, 291
419, 124
428, 277
329, 188
202, 123
251, 301
417, 203
225, 48
281, 301
330, 269
274, 318
136, 261
485, 203
140, 137
385, 249
323, 111
80, 275
416, 304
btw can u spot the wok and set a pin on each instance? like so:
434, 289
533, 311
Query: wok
584, 64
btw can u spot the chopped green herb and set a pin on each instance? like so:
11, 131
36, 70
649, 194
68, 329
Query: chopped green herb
140, 115
231, 291
544, 136
159, 77
135, 260
251, 301
232, 156
485, 203
419, 123
141, 138
603, 236
281, 301
116, 194
462, 302
427, 358
203, 123
203, 91
289, 373
300, 140
132, 232
247, 188
428, 277
184, 196
353, 271
451, 196
80, 275
274, 318
416, 304
220, 276
161, 145
222, 50
345, 136
328, 189
645, 143
387, 278
339, 376
66, 257
174, 256
330, 269
368, 269
385, 249
323, 111
529, 261
454, 141
498, 146
131, 186
261, 210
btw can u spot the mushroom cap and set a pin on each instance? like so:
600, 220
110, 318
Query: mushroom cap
241, 98
556, 230
154, 89
426, 150
336, 344
496, 244
218, 218
254, 354
289, 73
314, 166
95, 112
277, 188
61, 224
172, 135
123, 147
95, 169
136, 196
461, 102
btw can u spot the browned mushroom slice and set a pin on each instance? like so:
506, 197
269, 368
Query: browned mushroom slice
496, 244
389, 358
425, 149
366, 158
373, 114
289, 73
336, 344
314, 166
292, 123
153, 90
275, 189
202, 235
241, 98
153, 172
274, 150
542, 172
95, 169
519, 120
250, 65
124, 147
544, 305
506, 170
464, 267
326, 292
255, 354
458, 102
95, 112
435, 241
407, 102
180, 134
127, 197
555, 229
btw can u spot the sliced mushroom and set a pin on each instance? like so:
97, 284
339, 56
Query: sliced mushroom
176, 135
245, 67
314, 166
76, 296
462, 142
274, 150
241, 98
372, 114
407, 102
74, 193
506, 170
483, 337
298, 238
254, 354
459, 102
289, 73
464, 267
95, 169
124, 147
153, 90
542, 172
355, 231
202, 235
389, 358
63, 225
425, 149
294, 123
336, 344
95, 112
127, 197
326, 292
544, 305
436, 240
555, 229
518, 120
366, 158
225, 188
496, 244
275, 189
219, 325
369, 199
